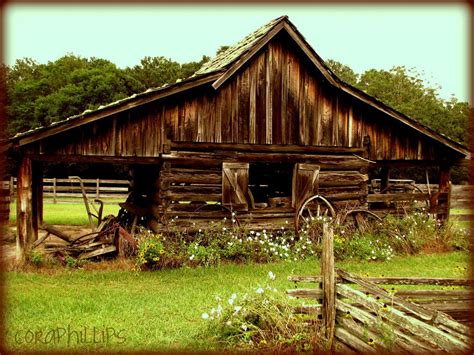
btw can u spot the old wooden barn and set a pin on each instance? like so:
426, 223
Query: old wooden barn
255, 132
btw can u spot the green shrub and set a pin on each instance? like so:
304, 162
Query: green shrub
36, 258
70, 261
149, 253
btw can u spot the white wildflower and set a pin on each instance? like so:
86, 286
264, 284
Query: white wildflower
205, 316
271, 275
259, 290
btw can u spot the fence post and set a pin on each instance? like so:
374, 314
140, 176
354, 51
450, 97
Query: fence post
12, 188
328, 285
97, 189
54, 190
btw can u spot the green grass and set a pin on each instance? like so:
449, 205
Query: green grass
68, 213
162, 309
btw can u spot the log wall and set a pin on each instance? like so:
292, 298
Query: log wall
191, 194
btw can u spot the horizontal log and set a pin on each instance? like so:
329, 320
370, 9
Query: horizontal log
190, 196
440, 281
195, 189
397, 197
305, 293
465, 294
329, 162
97, 252
171, 176
74, 158
58, 233
192, 207
462, 217
263, 148
309, 309
337, 178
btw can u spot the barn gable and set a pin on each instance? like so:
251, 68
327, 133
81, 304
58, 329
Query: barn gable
271, 88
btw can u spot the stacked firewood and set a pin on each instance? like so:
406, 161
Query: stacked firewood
109, 238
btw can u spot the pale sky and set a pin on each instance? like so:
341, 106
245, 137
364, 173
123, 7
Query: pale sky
434, 39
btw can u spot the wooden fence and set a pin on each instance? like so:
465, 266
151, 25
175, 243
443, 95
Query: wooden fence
372, 319
59, 190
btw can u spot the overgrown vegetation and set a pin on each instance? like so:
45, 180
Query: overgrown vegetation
377, 241
262, 318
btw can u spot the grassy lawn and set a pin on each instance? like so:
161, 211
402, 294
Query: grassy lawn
162, 309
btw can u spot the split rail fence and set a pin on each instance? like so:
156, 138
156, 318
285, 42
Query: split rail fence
369, 318
66, 190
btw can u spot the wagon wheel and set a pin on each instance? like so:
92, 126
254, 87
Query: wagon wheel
309, 216
359, 219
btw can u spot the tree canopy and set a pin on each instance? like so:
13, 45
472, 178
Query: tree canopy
404, 90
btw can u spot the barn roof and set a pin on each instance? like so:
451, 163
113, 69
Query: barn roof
219, 69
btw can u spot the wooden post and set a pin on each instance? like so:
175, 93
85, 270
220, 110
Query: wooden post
328, 285
97, 189
443, 188
54, 190
24, 209
37, 181
12, 188
384, 179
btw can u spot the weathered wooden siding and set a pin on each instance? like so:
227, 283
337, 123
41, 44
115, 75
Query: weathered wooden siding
276, 98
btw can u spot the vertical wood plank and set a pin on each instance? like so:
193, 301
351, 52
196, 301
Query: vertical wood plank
276, 84
243, 107
328, 285
285, 139
268, 97
252, 103
261, 99
302, 114
293, 99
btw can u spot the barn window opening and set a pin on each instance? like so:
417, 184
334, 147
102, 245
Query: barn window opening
270, 185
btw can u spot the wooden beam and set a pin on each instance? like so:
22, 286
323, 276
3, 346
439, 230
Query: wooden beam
65, 158
263, 148
24, 215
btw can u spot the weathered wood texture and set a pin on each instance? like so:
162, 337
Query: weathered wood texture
277, 98
328, 285
26, 213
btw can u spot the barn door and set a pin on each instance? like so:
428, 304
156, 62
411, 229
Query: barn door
235, 183
305, 183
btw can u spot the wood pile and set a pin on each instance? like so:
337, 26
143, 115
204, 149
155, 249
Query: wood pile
110, 238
